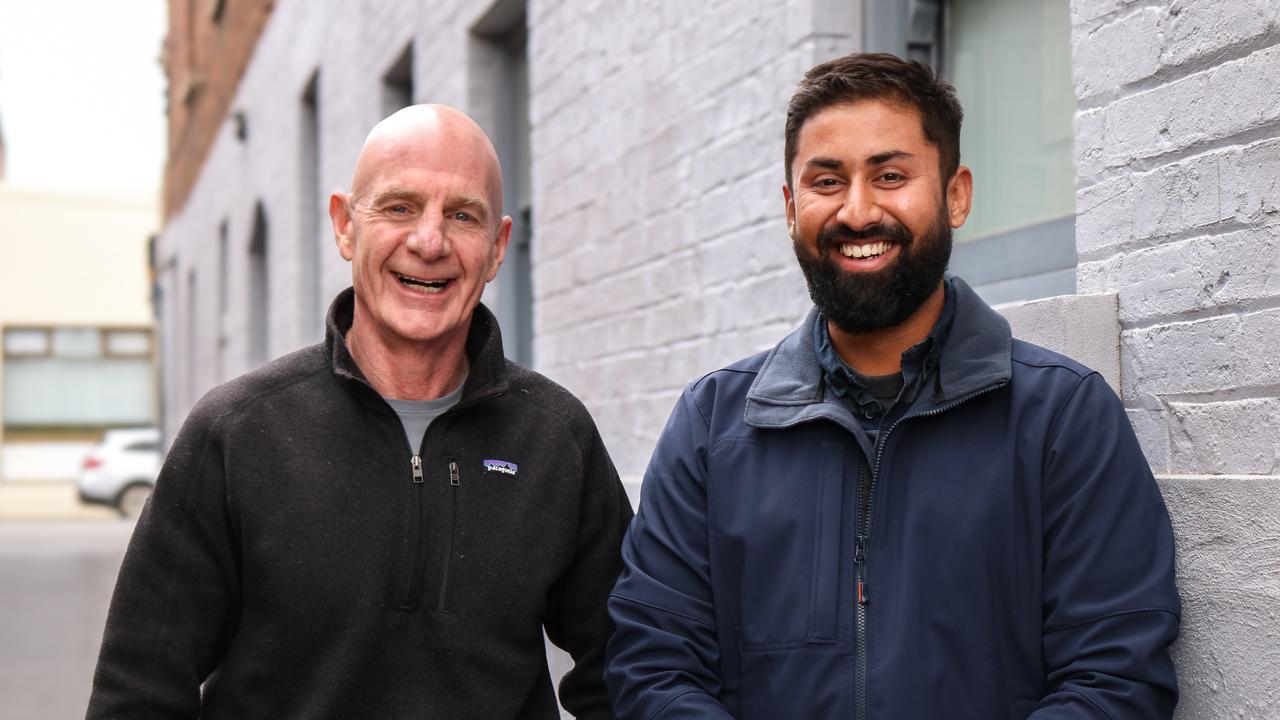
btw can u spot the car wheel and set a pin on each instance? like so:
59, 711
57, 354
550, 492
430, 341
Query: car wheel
132, 499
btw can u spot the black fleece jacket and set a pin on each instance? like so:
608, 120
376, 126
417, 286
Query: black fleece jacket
295, 561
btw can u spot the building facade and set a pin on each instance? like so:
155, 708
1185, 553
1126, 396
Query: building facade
75, 319
1124, 151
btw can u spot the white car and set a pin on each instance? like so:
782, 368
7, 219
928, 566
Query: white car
121, 470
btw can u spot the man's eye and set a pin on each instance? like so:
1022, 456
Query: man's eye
462, 216
827, 182
892, 177
398, 209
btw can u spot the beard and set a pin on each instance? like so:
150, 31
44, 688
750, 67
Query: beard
860, 302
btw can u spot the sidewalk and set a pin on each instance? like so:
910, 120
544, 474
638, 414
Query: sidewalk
48, 501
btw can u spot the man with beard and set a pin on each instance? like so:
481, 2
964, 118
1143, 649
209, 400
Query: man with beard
899, 511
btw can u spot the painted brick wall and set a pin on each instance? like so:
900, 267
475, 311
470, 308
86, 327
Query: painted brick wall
1178, 195
660, 247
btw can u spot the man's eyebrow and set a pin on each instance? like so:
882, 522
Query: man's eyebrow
887, 155
391, 194
825, 163
472, 203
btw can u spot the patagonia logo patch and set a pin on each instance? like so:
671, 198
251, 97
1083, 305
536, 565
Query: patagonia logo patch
500, 466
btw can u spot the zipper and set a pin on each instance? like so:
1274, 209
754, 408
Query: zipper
442, 604
862, 594
415, 576
861, 597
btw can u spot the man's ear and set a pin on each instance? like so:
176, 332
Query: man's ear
340, 215
959, 196
790, 204
500, 243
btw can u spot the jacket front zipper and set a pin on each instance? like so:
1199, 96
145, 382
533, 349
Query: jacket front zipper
442, 604
862, 594
415, 575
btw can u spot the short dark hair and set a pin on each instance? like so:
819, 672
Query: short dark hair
879, 76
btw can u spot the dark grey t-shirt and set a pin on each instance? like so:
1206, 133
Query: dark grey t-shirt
417, 415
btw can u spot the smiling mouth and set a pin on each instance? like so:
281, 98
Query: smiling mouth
869, 250
420, 285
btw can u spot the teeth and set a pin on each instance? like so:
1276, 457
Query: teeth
430, 286
861, 251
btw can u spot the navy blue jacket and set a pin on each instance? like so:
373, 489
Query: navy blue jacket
1012, 549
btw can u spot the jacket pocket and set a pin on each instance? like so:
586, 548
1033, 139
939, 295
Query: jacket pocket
444, 603
774, 516
824, 606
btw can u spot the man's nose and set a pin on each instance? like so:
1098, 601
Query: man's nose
860, 209
428, 239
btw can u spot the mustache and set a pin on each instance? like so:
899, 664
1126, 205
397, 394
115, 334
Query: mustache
830, 237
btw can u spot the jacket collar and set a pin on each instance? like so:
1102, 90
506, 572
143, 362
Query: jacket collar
488, 372
975, 355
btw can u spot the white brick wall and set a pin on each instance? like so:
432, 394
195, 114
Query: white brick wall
1178, 170
660, 247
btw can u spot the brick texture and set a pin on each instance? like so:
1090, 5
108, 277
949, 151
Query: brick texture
204, 59
1178, 175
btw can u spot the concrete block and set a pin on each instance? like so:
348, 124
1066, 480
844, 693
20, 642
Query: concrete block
1105, 215
1222, 101
1177, 197
1203, 356
1251, 182
1109, 56
1090, 130
1227, 530
1234, 437
1198, 274
1082, 327
1198, 29
1152, 429
1086, 11
1094, 276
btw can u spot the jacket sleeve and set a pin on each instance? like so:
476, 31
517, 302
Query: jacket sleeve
664, 658
576, 618
171, 613
1111, 609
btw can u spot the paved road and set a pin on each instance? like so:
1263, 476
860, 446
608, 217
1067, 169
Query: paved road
55, 582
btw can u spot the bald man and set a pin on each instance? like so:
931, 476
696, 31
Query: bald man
381, 525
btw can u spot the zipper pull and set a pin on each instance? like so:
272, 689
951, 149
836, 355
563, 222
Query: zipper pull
416, 463
860, 560
453, 473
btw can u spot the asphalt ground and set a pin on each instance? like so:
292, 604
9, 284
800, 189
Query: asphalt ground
56, 578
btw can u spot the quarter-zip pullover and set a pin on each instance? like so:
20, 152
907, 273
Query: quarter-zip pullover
298, 559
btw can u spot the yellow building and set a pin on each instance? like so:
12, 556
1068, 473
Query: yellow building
76, 323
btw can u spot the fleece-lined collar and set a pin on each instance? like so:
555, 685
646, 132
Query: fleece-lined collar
975, 355
488, 366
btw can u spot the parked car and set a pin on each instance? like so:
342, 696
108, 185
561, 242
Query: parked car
121, 470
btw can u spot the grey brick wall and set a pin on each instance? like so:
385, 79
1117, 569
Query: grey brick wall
1178, 173
660, 248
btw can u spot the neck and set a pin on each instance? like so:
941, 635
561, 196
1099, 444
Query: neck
406, 370
879, 352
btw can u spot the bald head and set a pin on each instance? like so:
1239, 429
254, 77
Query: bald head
429, 136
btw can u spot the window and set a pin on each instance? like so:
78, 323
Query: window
259, 291
26, 342
500, 100
1010, 62
397, 83
224, 295
77, 377
128, 343
312, 212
